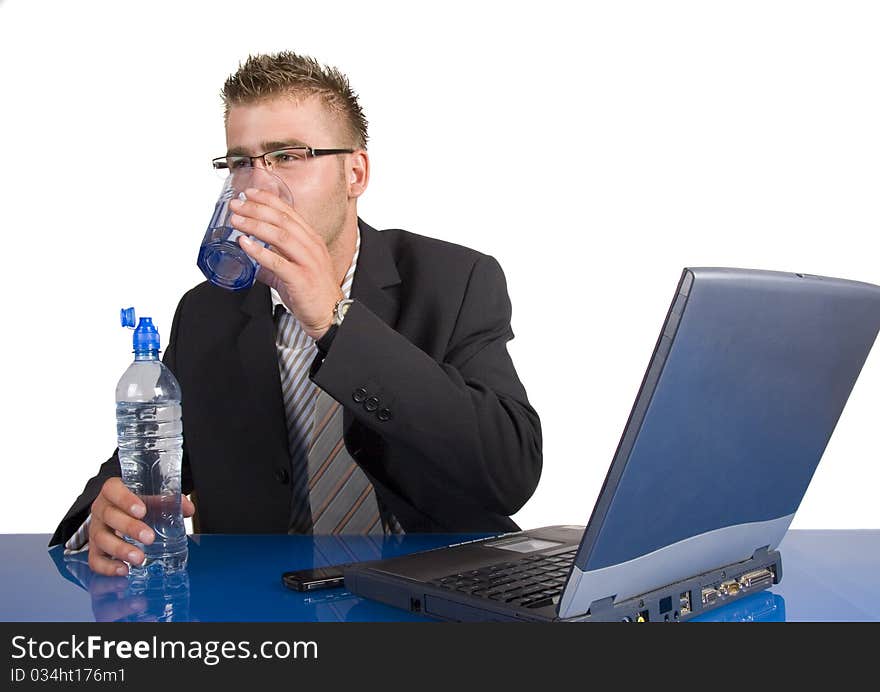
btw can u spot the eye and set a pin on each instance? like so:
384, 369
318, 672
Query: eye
285, 157
235, 162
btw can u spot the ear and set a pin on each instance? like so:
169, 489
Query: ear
358, 172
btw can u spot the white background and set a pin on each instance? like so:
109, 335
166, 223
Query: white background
594, 151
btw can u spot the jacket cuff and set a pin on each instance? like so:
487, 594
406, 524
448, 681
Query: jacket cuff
326, 341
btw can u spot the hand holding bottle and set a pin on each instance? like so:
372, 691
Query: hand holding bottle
116, 512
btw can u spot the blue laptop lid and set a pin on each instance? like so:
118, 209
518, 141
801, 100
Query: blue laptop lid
748, 379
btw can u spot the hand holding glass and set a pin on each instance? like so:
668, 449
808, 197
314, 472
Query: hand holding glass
221, 259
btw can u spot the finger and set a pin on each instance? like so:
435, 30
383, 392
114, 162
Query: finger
187, 506
111, 546
115, 492
115, 518
284, 241
267, 277
260, 211
102, 564
272, 261
272, 200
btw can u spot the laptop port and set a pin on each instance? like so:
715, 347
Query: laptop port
757, 578
684, 602
415, 605
710, 595
729, 587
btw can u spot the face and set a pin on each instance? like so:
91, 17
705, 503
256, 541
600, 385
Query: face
322, 188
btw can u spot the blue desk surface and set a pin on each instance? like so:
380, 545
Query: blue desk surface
827, 575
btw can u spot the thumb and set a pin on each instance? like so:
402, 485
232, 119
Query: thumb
268, 277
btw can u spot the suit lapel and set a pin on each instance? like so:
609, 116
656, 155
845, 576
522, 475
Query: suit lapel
376, 273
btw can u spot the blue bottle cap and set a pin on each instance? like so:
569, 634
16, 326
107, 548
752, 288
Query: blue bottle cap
146, 336
126, 316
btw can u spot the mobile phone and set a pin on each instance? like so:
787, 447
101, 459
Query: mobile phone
314, 579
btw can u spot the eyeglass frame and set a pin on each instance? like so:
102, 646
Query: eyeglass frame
311, 152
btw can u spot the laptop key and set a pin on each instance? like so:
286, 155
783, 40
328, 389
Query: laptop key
512, 595
499, 582
514, 586
495, 595
521, 596
545, 601
472, 589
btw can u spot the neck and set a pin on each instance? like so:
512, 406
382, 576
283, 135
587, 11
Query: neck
342, 248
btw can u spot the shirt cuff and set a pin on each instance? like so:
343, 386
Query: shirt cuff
79, 541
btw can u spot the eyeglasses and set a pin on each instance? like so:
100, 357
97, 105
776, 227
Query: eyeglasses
286, 159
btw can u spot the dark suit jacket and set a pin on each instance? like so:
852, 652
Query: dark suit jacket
452, 444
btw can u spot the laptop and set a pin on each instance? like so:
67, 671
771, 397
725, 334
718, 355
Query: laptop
748, 378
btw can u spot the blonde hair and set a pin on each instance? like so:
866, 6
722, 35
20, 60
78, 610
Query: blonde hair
286, 73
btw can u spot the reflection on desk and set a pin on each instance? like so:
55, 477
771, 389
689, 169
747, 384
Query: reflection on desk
237, 578
225, 579
764, 606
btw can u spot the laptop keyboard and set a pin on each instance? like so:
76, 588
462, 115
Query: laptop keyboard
530, 582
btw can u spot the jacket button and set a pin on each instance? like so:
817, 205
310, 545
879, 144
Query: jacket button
281, 475
359, 395
384, 414
371, 404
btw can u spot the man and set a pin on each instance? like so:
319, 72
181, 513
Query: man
397, 407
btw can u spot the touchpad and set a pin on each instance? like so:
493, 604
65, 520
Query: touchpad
523, 545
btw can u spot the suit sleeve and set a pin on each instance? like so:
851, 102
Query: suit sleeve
467, 417
80, 509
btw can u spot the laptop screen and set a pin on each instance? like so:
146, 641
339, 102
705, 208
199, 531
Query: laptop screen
746, 385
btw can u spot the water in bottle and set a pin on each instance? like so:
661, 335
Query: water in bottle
149, 432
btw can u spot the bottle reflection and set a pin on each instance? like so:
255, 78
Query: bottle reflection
156, 598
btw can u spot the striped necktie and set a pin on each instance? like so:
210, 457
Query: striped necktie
331, 494
341, 496
295, 354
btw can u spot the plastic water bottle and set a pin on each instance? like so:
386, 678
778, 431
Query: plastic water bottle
149, 433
